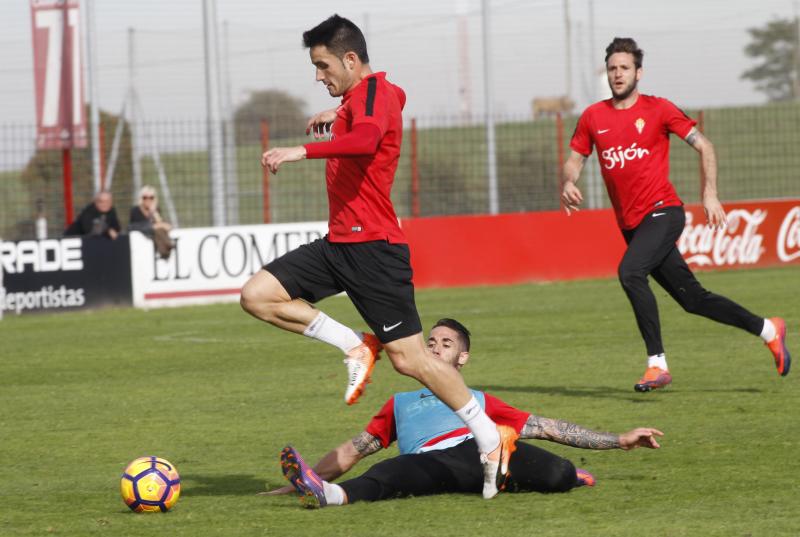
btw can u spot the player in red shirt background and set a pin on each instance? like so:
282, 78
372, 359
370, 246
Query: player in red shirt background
437, 455
365, 252
631, 132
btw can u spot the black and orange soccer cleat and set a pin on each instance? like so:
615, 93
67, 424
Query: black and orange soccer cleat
654, 378
783, 360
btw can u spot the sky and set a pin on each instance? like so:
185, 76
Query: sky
693, 51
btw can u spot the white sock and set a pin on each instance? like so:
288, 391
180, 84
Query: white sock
483, 428
331, 331
768, 333
334, 494
658, 360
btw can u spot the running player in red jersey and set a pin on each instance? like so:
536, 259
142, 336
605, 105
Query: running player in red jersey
365, 252
631, 132
437, 454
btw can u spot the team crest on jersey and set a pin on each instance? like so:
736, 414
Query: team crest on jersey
639, 125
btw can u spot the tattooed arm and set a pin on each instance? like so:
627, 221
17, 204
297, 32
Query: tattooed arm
570, 434
338, 461
715, 214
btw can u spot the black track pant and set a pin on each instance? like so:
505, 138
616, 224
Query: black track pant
458, 469
651, 250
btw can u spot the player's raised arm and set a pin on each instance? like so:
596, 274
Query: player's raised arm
571, 195
570, 434
715, 214
362, 140
276, 156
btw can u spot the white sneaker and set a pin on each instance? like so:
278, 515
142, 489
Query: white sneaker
495, 464
360, 362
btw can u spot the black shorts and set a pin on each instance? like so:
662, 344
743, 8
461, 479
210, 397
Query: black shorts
376, 275
459, 469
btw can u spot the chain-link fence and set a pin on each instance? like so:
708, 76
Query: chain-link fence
442, 170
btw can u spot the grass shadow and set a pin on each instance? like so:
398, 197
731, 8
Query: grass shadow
567, 391
604, 391
222, 485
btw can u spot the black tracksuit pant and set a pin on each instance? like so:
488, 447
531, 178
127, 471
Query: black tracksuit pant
652, 251
458, 469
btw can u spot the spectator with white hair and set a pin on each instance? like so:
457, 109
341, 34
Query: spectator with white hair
145, 218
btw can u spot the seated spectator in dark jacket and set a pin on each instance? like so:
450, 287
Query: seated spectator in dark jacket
99, 218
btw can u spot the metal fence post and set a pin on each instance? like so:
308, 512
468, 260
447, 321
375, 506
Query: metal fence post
491, 151
701, 126
265, 174
414, 171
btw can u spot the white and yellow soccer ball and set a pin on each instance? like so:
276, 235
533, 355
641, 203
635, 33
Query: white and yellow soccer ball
150, 484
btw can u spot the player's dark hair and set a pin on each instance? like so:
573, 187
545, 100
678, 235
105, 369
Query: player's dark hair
456, 326
626, 44
338, 35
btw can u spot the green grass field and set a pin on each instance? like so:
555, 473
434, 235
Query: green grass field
219, 394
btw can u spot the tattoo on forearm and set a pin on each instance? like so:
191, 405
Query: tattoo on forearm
567, 433
366, 444
532, 428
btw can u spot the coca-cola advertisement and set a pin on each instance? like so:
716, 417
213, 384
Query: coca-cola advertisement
549, 245
757, 234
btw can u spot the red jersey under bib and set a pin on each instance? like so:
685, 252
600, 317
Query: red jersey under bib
359, 187
633, 149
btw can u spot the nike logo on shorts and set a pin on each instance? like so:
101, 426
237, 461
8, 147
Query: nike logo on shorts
657, 214
390, 328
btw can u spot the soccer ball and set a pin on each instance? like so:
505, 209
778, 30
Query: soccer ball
150, 484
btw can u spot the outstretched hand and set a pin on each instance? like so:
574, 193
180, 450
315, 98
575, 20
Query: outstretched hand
715, 214
288, 489
641, 437
571, 197
273, 158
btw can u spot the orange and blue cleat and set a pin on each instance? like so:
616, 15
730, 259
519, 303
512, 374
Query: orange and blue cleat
783, 360
303, 478
653, 378
585, 479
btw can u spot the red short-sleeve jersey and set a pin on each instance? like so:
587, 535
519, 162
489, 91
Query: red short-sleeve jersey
384, 427
633, 149
359, 187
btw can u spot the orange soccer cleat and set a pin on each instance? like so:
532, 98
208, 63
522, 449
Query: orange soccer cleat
360, 361
783, 360
495, 464
653, 378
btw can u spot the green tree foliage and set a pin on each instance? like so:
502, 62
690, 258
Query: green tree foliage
776, 46
43, 177
285, 114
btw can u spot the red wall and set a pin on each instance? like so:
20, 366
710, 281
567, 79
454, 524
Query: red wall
514, 248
